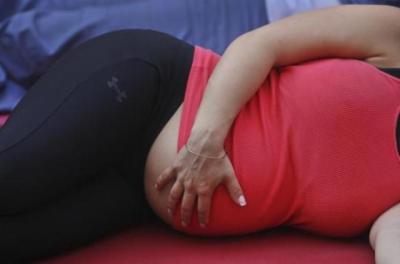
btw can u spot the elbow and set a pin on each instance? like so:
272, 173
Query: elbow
386, 223
373, 233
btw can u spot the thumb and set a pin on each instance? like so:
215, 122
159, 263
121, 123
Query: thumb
235, 191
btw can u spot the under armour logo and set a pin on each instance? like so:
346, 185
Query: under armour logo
114, 85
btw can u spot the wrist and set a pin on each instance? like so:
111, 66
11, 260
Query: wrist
219, 156
207, 141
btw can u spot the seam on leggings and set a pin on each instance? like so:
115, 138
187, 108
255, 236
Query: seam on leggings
66, 98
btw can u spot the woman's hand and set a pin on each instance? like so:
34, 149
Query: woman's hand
197, 176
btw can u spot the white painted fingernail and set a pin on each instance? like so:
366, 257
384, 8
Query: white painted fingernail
242, 201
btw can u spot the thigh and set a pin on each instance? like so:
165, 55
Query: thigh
105, 206
81, 117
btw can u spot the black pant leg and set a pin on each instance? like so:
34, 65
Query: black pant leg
103, 207
89, 130
85, 114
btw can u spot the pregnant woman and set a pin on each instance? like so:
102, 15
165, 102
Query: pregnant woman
312, 145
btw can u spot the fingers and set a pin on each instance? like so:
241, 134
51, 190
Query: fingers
235, 191
165, 177
193, 188
204, 204
174, 196
187, 205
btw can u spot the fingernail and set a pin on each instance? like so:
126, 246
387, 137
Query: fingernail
169, 212
242, 201
156, 186
184, 224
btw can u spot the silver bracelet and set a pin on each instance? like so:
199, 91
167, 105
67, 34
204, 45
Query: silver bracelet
205, 156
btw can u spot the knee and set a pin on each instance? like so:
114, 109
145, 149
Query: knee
17, 197
10, 202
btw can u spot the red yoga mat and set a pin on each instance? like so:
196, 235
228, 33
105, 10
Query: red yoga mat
158, 244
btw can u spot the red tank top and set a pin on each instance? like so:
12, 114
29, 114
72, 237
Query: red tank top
314, 148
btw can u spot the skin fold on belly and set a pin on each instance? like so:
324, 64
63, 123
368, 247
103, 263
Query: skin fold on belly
161, 155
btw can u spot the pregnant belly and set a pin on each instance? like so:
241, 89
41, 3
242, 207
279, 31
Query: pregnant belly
161, 155
314, 154
253, 173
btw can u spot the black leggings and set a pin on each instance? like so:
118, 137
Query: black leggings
72, 152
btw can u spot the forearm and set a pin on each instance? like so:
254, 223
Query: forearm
236, 78
363, 32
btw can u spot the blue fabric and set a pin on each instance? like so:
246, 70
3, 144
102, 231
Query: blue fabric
40, 31
10, 92
278, 9
10, 95
377, 2
33, 33
9, 8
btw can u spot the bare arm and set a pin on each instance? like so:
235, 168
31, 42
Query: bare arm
366, 32
384, 237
